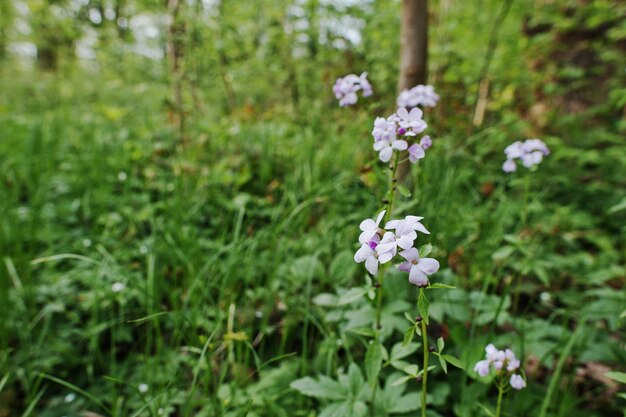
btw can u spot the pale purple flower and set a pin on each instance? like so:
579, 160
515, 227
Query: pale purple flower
365, 85
383, 129
420, 95
514, 150
509, 166
500, 359
387, 145
387, 248
418, 268
369, 228
411, 121
367, 253
403, 237
517, 382
532, 158
413, 221
482, 367
426, 142
530, 153
512, 362
416, 152
531, 145
345, 88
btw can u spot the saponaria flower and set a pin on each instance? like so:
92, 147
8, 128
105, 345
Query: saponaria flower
420, 95
502, 361
530, 153
345, 88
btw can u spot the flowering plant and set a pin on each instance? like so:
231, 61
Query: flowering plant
530, 153
345, 88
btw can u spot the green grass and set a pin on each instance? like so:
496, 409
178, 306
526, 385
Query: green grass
229, 243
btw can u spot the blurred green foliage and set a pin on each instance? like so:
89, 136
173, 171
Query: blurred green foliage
234, 243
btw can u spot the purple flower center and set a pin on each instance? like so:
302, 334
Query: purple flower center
372, 244
401, 131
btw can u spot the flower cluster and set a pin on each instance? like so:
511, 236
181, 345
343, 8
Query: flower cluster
345, 88
530, 152
391, 134
420, 95
379, 246
501, 360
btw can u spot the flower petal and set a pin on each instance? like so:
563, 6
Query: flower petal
428, 265
410, 254
417, 277
371, 264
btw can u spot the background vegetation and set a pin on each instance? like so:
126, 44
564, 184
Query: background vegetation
194, 153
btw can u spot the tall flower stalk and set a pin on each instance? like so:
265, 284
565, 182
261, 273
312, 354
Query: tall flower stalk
383, 239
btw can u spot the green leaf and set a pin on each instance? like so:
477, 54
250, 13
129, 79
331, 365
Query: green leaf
408, 335
440, 344
341, 409
352, 295
617, 376
324, 388
423, 305
454, 361
442, 362
406, 403
373, 363
403, 191
502, 253
325, 300
363, 331
437, 285
399, 351
411, 370
410, 318
402, 380
425, 250
355, 380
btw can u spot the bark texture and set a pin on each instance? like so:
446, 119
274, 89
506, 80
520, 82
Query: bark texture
413, 53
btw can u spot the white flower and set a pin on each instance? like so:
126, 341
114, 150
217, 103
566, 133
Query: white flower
143, 388
517, 382
509, 166
387, 145
118, 287
367, 253
418, 268
482, 367
530, 153
383, 129
413, 221
369, 228
411, 121
420, 95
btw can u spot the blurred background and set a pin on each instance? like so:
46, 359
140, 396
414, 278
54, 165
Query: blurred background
180, 196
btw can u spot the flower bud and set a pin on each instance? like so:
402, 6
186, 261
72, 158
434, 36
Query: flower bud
418, 319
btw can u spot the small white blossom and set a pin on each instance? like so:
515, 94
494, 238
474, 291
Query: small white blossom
418, 268
369, 228
517, 382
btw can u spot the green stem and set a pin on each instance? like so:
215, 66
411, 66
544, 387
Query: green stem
425, 368
381, 272
500, 393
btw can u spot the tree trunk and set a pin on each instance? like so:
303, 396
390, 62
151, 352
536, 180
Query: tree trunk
413, 53
175, 54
